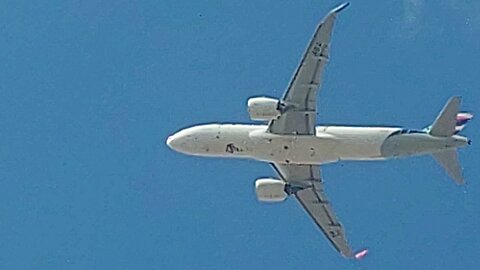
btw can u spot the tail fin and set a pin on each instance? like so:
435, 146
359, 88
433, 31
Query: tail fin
446, 122
450, 122
462, 119
449, 161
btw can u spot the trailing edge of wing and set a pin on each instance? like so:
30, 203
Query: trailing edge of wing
311, 196
317, 49
300, 98
317, 206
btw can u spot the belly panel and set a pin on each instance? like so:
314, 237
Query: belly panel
313, 149
329, 145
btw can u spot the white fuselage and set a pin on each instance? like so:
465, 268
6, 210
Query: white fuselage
330, 144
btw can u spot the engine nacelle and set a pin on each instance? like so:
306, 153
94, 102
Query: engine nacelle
270, 190
263, 108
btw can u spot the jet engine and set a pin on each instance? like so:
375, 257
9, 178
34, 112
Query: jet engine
263, 108
270, 190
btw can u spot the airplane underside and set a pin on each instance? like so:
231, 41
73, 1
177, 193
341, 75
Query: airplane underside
330, 143
295, 147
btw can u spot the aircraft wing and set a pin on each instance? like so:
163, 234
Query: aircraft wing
299, 102
305, 183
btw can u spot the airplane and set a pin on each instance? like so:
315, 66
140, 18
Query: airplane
290, 140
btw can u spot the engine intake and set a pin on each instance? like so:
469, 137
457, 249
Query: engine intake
263, 108
270, 190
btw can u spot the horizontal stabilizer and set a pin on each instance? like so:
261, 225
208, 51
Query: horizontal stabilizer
449, 161
446, 122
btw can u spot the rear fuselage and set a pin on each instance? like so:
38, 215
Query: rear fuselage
330, 144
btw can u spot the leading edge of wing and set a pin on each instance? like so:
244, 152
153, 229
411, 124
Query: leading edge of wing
329, 15
312, 198
333, 230
298, 105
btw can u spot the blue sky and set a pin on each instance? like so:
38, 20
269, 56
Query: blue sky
89, 91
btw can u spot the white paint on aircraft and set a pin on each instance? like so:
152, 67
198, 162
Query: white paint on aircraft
295, 147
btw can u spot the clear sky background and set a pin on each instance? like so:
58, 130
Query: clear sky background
90, 90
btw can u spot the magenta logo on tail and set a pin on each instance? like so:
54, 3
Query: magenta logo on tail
462, 120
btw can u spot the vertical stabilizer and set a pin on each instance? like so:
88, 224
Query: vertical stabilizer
449, 161
446, 122
462, 119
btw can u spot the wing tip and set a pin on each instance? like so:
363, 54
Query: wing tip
361, 254
340, 7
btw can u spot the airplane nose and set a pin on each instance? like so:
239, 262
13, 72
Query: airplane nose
170, 141
180, 141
